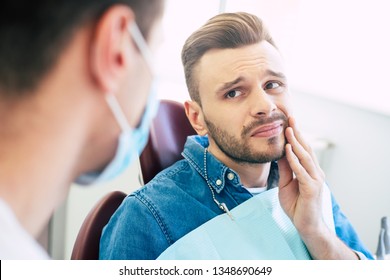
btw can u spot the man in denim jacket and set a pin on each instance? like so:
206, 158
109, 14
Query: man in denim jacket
247, 143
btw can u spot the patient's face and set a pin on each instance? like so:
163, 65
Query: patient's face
244, 99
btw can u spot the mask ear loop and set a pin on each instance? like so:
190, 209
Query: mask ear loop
135, 33
140, 42
117, 111
142, 46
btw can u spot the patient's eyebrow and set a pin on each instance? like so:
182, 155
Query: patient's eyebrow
230, 84
276, 74
236, 81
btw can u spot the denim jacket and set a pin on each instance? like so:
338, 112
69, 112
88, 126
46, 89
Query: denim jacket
178, 200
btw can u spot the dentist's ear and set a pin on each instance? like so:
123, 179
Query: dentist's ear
110, 48
195, 116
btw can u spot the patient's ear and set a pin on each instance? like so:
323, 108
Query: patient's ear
195, 116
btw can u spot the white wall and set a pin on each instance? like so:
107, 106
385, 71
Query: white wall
358, 170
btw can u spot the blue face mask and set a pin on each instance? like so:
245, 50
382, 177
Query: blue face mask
131, 142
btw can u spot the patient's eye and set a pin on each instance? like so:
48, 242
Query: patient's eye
233, 94
274, 87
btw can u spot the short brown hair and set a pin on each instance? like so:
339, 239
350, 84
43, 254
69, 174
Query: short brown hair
224, 31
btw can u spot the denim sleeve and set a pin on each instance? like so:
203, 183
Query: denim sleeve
132, 233
346, 232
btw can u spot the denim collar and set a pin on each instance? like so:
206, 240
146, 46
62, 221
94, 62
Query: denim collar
218, 174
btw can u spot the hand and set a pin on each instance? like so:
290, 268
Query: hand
301, 195
301, 198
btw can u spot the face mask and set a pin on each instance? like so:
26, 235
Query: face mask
131, 141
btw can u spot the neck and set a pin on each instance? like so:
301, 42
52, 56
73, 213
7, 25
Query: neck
36, 160
41, 143
48, 138
251, 174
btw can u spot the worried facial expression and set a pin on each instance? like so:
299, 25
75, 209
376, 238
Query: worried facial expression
244, 97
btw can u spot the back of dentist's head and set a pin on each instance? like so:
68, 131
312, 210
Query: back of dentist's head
34, 33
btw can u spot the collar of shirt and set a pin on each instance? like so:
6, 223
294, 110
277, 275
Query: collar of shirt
218, 174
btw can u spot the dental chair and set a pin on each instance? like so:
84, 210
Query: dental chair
168, 135
86, 246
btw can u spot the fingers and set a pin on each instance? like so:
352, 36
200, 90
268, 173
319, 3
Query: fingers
296, 166
305, 145
299, 154
293, 124
299, 158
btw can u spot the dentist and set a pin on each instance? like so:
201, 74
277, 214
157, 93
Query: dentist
76, 100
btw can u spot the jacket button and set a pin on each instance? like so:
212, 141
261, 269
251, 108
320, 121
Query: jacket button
218, 182
230, 176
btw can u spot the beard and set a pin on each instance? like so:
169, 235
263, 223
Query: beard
238, 148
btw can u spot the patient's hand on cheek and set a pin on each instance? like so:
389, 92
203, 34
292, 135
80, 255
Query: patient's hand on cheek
300, 193
301, 183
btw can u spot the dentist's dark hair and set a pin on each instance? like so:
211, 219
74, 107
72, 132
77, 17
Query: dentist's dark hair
224, 31
34, 33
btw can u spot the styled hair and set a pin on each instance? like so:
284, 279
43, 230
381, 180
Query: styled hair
33, 34
224, 31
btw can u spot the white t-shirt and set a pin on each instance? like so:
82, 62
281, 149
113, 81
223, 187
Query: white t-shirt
256, 190
15, 242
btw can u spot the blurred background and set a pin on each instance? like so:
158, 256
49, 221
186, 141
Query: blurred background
337, 56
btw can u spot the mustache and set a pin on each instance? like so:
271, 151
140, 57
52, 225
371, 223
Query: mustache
279, 116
